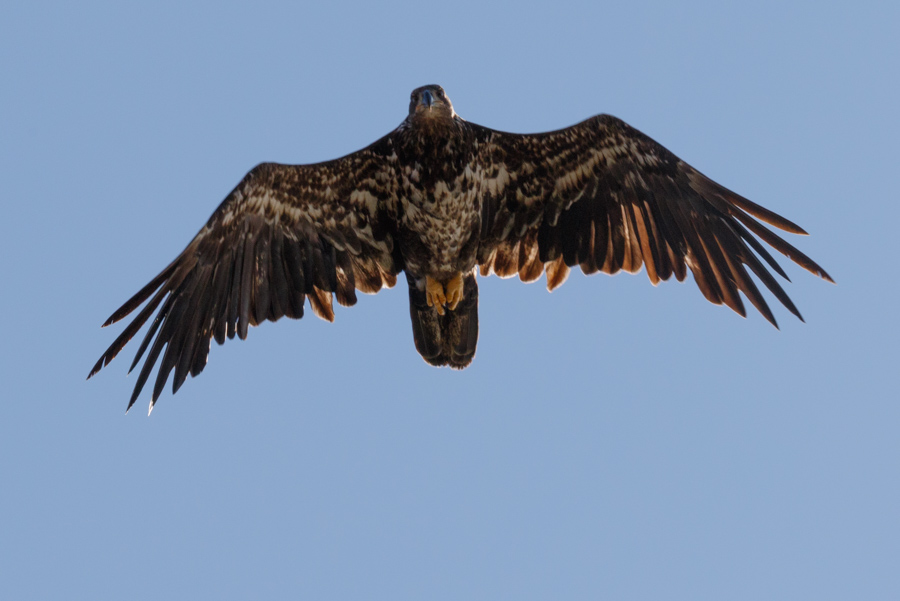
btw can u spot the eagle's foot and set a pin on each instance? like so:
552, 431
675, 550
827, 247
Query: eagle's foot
434, 294
454, 291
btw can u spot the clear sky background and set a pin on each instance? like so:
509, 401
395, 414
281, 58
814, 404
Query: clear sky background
611, 440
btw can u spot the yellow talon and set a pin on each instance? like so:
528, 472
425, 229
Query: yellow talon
437, 296
454, 291
434, 294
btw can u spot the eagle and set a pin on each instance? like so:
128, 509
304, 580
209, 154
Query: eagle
442, 199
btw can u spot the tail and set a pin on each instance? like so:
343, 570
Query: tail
447, 339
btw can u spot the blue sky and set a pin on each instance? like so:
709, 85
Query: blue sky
611, 440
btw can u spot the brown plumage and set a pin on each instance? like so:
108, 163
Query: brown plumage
436, 198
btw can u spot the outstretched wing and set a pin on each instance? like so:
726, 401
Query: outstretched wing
604, 196
284, 234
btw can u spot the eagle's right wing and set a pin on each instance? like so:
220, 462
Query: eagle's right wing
285, 234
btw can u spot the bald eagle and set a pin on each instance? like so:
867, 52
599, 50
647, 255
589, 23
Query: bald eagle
439, 199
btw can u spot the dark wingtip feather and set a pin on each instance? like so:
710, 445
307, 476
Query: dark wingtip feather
143, 294
177, 382
97, 367
783, 247
706, 187
134, 396
766, 215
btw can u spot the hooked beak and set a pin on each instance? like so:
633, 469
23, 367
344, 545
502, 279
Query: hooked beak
426, 99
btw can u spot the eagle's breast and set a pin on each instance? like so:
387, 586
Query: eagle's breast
440, 186
440, 221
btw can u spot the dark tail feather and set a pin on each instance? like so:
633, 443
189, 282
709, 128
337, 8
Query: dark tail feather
447, 339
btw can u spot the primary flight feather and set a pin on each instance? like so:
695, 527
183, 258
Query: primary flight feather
439, 198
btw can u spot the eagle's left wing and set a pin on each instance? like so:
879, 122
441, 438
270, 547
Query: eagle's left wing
285, 234
604, 196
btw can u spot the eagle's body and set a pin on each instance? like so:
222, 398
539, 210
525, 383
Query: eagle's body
437, 198
439, 208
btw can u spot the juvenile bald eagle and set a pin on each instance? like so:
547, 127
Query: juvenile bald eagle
438, 198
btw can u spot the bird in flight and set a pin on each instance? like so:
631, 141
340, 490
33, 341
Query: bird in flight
441, 199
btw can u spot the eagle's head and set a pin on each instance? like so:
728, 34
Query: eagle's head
430, 102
